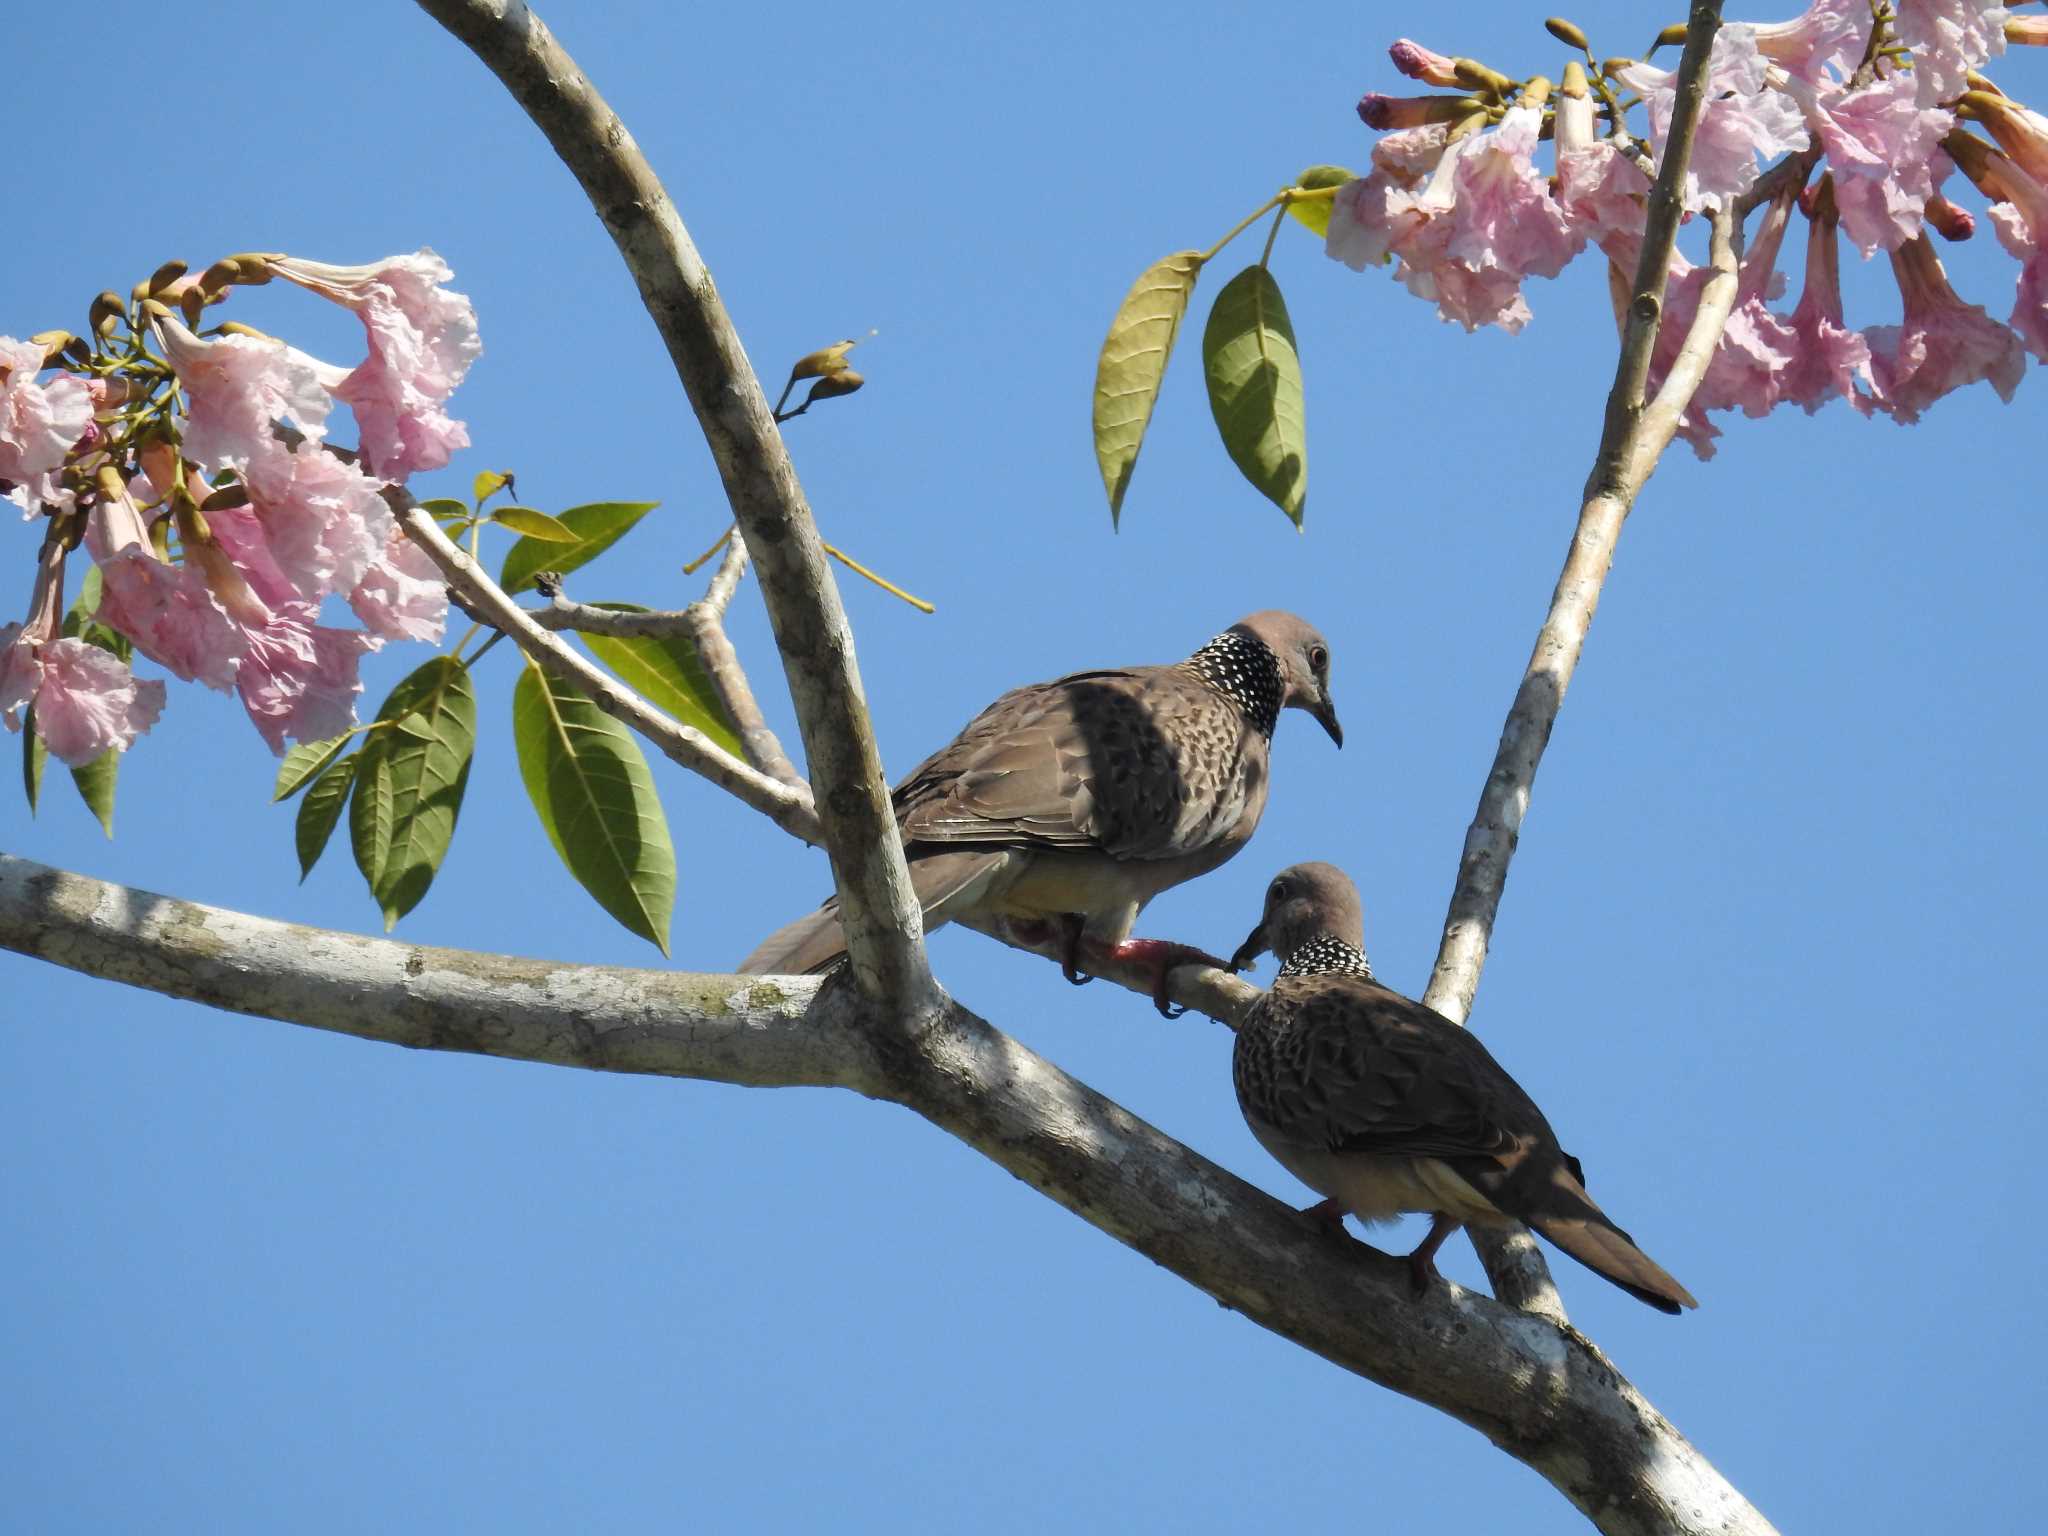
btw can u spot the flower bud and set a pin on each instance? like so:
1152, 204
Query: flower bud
222, 275
254, 265
1567, 34
1672, 36
1475, 76
106, 309
1420, 63
53, 344
236, 328
844, 382
1535, 91
1574, 81
1951, 222
2020, 133
2027, 30
1383, 112
165, 275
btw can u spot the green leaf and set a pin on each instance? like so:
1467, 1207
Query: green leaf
303, 763
597, 527
593, 793
445, 509
1255, 388
1132, 363
667, 672
369, 817
1316, 212
95, 783
488, 483
33, 755
536, 525
321, 809
410, 783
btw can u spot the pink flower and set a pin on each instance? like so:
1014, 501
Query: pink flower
238, 388
1743, 117
1378, 111
2019, 213
1823, 45
1942, 343
1879, 143
423, 337
2020, 133
1599, 186
1424, 64
1756, 346
1828, 359
298, 680
1408, 155
1503, 213
1949, 38
88, 703
403, 596
171, 614
1467, 236
86, 700
39, 423
323, 518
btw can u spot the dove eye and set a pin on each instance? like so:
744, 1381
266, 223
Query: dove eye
1318, 658
1279, 891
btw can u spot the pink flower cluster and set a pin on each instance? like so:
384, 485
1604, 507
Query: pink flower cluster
1466, 215
285, 522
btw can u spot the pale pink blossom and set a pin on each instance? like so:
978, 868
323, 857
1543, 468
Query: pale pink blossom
1743, 117
1949, 38
237, 389
1599, 185
1879, 142
403, 596
1942, 343
1829, 360
39, 424
1379, 111
2019, 213
88, 702
2020, 132
298, 680
423, 338
171, 615
1756, 346
1821, 46
323, 518
1408, 155
1502, 213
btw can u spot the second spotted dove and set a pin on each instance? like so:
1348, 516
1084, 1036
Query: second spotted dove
1383, 1105
1064, 807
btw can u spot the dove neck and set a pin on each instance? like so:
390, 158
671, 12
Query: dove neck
1327, 955
1245, 671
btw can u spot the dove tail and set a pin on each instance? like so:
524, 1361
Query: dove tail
945, 883
1607, 1250
813, 943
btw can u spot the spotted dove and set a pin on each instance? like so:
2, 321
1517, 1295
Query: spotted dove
1384, 1106
1065, 806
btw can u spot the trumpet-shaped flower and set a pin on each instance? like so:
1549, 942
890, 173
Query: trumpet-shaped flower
423, 337
1942, 343
1743, 117
1949, 38
39, 423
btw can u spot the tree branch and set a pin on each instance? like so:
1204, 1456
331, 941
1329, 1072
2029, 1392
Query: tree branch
789, 807
1620, 467
1542, 1393
884, 932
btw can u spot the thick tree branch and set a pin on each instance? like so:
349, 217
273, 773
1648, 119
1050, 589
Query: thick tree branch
885, 937
788, 806
1542, 1393
1624, 461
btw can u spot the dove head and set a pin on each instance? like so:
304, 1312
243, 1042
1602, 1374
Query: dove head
1308, 907
1303, 658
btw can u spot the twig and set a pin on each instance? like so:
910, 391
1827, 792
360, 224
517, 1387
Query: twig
1619, 470
789, 807
885, 937
706, 620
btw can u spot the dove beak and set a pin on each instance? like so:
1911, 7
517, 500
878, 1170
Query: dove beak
1249, 951
1325, 711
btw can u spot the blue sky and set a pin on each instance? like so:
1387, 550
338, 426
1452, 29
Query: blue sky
1762, 956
